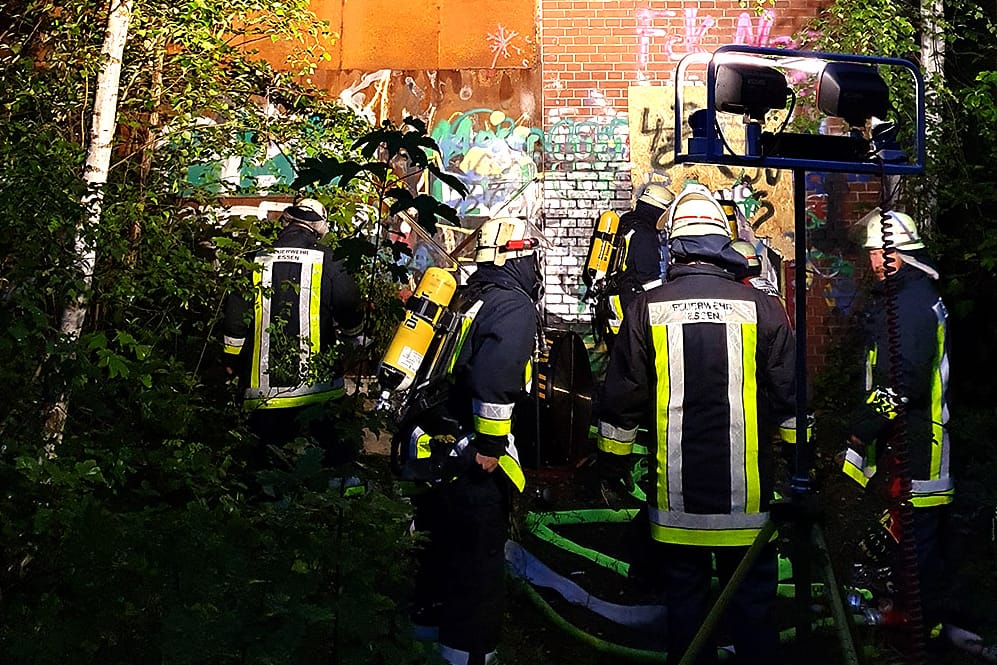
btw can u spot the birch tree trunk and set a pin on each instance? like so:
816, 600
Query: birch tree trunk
95, 176
933, 64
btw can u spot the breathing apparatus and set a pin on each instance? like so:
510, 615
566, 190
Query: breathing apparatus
408, 348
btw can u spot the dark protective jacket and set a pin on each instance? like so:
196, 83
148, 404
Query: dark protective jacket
638, 266
919, 384
301, 301
492, 363
708, 364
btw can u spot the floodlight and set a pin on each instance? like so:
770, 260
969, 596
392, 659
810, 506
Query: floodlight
751, 90
852, 91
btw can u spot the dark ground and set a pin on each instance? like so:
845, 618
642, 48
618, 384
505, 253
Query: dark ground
532, 638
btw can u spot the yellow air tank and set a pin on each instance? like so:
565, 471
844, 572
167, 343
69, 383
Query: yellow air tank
601, 248
415, 333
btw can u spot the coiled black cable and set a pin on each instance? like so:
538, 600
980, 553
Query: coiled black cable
909, 581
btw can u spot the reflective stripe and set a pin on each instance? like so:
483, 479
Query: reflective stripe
854, 467
492, 418
787, 430
616, 314
615, 440
466, 319
528, 376
233, 345
652, 284
274, 397
718, 529
740, 319
286, 401
260, 392
870, 364
419, 444
457, 657
939, 407
932, 486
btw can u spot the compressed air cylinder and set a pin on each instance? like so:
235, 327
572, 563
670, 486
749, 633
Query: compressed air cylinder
415, 333
601, 247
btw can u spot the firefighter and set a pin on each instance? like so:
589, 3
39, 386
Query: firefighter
638, 257
708, 365
916, 385
280, 336
460, 583
752, 276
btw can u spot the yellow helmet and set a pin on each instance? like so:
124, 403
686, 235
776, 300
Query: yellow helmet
900, 232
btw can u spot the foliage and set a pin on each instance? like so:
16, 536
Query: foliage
148, 538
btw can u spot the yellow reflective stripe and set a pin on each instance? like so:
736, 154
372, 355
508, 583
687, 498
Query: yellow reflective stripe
855, 473
528, 374
465, 325
788, 434
314, 309
613, 446
484, 425
932, 500
626, 251
286, 402
659, 336
254, 374
710, 537
937, 427
512, 469
422, 449
749, 398
231, 349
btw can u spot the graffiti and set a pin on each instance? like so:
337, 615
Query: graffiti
604, 138
750, 31
500, 42
495, 157
354, 97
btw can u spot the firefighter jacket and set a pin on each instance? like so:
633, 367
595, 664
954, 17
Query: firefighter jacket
638, 264
708, 364
916, 384
300, 302
489, 369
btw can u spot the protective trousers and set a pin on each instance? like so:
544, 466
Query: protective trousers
464, 561
687, 571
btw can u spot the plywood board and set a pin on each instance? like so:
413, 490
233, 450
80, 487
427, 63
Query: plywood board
652, 151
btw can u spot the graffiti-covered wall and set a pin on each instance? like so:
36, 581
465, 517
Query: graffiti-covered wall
559, 110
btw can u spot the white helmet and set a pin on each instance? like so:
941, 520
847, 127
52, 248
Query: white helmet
748, 251
656, 194
900, 229
696, 212
503, 238
307, 212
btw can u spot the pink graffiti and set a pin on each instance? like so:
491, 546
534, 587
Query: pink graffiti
750, 31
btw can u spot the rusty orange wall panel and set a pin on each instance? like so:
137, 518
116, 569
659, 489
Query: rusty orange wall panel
495, 35
331, 11
388, 34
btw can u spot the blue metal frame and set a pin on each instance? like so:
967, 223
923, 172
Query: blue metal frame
714, 149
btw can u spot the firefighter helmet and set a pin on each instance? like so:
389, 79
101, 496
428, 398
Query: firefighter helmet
899, 231
309, 213
748, 251
696, 212
657, 194
503, 238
